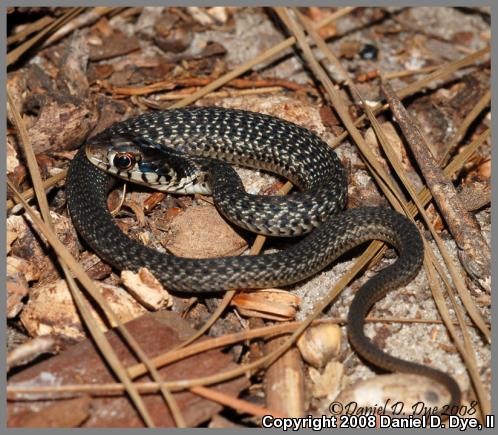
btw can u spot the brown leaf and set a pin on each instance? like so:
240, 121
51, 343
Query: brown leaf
65, 413
82, 363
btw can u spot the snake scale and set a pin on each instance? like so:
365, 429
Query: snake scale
192, 148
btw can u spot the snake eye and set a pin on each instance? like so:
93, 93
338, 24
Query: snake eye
124, 161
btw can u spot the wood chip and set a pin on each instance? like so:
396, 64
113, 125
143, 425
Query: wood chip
50, 310
12, 160
327, 383
272, 304
17, 289
284, 381
61, 125
30, 350
19, 265
31, 245
146, 288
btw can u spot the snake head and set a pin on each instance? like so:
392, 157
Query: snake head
144, 161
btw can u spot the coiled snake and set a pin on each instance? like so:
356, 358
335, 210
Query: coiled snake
184, 150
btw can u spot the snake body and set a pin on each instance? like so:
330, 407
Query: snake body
210, 135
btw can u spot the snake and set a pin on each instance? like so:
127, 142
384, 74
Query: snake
192, 150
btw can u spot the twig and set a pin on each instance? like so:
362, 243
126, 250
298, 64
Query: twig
284, 381
411, 72
474, 251
468, 355
200, 81
221, 94
235, 403
172, 96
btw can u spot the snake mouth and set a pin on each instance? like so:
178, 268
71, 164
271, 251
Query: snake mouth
96, 153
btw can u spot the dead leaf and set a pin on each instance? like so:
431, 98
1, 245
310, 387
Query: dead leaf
82, 363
